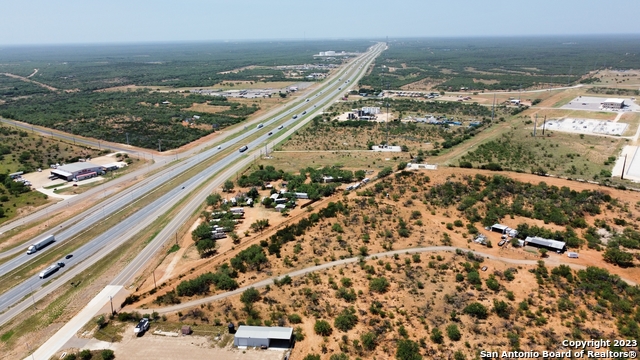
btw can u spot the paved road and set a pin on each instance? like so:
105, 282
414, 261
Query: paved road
296, 273
97, 248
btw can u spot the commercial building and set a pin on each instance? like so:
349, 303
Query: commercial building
553, 245
263, 336
613, 103
77, 171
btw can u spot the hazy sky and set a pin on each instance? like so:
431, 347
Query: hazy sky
109, 21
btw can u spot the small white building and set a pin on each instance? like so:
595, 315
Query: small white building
280, 207
573, 255
263, 336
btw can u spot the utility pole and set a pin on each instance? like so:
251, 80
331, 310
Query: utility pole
544, 123
535, 125
127, 139
623, 166
159, 146
111, 300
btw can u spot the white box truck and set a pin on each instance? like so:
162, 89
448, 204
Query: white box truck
40, 244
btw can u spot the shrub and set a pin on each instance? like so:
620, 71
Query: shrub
107, 354
294, 319
369, 341
250, 296
408, 350
436, 336
476, 310
85, 355
501, 308
453, 332
322, 328
346, 320
379, 285
312, 357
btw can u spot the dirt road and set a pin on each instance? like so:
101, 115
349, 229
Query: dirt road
26, 79
552, 261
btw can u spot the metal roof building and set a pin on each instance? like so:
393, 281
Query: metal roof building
554, 245
260, 336
78, 170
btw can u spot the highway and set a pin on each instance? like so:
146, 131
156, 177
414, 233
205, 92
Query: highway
115, 201
160, 161
109, 240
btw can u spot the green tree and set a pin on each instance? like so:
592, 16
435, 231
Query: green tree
322, 328
202, 231
543, 252
214, 199
205, 246
312, 357
228, 186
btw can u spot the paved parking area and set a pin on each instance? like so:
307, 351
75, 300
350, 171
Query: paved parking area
586, 126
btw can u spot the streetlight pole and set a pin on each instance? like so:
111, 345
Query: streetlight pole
111, 300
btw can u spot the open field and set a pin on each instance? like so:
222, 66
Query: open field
368, 223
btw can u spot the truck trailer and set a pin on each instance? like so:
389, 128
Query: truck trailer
48, 271
40, 244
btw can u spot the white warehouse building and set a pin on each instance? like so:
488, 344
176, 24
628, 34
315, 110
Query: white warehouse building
613, 103
263, 336
78, 171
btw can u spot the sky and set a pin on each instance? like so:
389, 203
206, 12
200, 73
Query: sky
29, 22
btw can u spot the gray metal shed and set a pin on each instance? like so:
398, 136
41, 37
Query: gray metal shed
258, 336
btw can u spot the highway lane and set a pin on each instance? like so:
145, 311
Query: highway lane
147, 215
117, 201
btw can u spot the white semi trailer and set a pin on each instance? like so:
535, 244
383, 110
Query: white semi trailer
40, 244
50, 270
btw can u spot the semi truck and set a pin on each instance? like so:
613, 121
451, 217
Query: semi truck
40, 244
50, 270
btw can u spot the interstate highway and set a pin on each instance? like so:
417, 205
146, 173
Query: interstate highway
148, 214
114, 203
